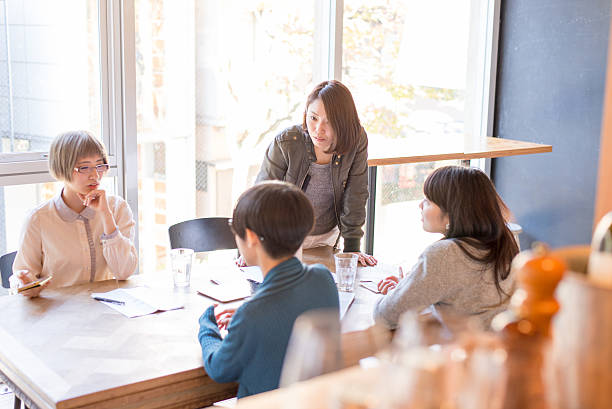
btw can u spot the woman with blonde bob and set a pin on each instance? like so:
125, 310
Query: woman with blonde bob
82, 234
467, 272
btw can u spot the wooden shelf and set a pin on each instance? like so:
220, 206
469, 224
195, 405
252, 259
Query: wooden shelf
436, 150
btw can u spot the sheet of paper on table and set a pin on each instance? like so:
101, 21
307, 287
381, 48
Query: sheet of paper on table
346, 299
225, 290
253, 273
225, 283
370, 285
139, 301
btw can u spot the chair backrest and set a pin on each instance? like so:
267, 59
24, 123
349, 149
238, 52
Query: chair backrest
205, 234
6, 267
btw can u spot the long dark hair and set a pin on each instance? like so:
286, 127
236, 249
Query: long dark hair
341, 113
476, 217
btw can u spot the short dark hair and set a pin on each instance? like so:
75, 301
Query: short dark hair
341, 113
278, 212
476, 216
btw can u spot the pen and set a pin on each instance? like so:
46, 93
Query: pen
109, 300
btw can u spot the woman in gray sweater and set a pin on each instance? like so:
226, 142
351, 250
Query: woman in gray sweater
467, 272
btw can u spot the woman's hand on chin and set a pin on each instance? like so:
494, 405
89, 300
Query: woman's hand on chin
95, 199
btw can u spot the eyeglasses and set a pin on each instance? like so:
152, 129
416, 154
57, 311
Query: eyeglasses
87, 170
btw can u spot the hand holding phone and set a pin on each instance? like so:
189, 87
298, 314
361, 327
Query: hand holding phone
30, 285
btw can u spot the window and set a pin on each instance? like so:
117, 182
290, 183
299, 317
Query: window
54, 77
215, 82
49, 72
413, 67
187, 95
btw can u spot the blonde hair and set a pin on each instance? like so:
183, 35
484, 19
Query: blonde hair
67, 148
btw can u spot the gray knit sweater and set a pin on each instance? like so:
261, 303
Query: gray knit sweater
451, 284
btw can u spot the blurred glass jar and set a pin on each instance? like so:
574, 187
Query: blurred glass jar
433, 367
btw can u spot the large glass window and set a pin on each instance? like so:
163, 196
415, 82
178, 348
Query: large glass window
215, 82
406, 63
49, 72
58, 72
50, 82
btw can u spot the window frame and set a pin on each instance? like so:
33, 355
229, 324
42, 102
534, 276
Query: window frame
33, 167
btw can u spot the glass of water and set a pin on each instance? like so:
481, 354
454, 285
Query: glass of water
346, 270
181, 261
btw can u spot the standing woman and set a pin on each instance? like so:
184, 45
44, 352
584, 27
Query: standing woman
82, 234
326, 156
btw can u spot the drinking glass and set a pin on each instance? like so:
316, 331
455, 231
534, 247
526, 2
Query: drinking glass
181, 261
346, 270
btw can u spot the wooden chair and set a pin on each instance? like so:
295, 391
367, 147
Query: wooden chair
205, 234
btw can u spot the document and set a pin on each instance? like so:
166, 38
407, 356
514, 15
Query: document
346, 299
139, 301
225, 290
253, 273
230, 283
370, 285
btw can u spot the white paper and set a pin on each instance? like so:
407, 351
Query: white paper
253, 273
370, 285
345, 301
139, 301
226, 290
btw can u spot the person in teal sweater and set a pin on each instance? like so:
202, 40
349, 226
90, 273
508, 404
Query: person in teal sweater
270, 221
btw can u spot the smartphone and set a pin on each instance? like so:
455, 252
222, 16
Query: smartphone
34, 284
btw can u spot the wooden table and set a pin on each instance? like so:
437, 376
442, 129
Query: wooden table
321, 392
401, 151
66, 350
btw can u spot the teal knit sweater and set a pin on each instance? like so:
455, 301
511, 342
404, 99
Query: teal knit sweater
253, 351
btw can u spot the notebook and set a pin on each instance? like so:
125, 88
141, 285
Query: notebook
226, 290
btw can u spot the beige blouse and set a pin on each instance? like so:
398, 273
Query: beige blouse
73, 247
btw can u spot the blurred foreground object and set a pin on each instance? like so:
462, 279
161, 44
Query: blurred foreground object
525, 329
600, 260
582, 342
